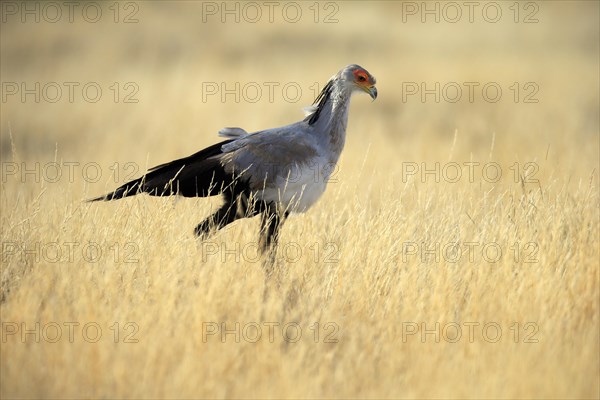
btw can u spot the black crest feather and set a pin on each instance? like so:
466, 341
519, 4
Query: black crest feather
319, 102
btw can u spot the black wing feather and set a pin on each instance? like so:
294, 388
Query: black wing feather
198, 175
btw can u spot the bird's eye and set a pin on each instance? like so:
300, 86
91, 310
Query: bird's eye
361, 78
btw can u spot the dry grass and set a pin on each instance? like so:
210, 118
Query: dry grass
347, 264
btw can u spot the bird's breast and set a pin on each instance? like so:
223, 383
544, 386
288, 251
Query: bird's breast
302, 187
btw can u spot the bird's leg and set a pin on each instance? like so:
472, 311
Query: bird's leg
224, 216
271, 222
270, 225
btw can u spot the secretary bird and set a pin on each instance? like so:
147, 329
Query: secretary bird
271, 172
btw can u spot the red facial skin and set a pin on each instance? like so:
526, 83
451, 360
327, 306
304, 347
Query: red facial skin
361, 77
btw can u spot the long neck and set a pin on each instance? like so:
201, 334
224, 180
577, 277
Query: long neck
330, 117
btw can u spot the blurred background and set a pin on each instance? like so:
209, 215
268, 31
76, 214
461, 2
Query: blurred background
123, 86
173, 58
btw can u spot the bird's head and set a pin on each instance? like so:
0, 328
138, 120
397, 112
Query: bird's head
356, 77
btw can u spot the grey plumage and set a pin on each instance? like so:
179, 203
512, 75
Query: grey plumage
272, 172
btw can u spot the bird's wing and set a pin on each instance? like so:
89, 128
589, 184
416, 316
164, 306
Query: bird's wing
261, 159
265, 158
198, 175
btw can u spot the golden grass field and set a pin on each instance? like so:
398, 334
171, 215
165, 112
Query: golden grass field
397, 284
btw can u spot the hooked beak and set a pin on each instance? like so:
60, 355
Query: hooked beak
372, 91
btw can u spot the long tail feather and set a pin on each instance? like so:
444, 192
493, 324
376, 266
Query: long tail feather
198, 175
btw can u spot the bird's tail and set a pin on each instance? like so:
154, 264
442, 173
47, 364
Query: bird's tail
129, 189
198, 175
